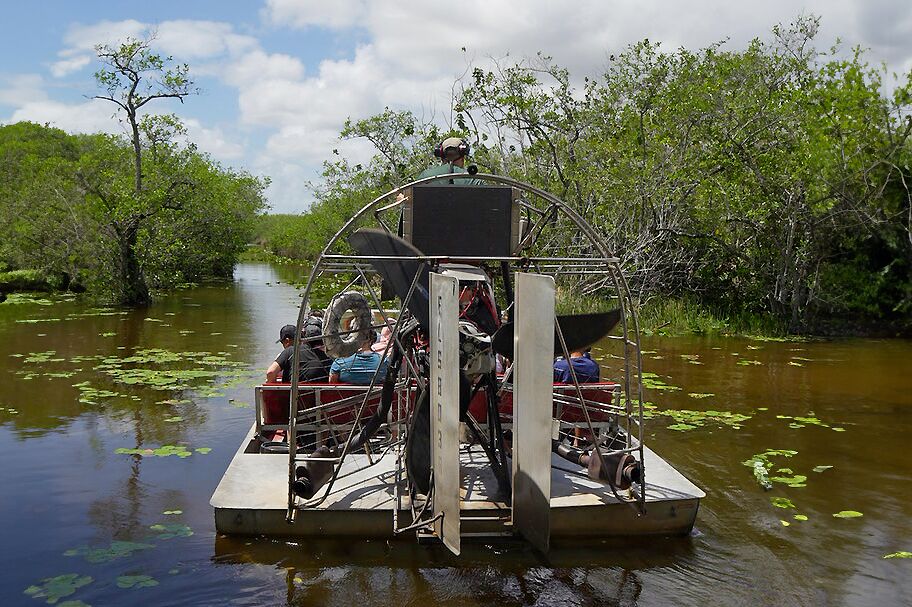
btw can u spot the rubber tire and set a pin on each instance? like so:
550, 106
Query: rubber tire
339, 346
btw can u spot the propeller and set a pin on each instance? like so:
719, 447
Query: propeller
579, 331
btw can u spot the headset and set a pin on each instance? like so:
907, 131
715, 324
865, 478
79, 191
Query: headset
462, 148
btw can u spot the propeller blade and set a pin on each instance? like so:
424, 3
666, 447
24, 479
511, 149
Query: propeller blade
398, 274
579, 330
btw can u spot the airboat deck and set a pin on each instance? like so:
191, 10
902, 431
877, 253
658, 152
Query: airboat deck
251, 499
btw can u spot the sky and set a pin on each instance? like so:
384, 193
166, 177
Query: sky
278, 78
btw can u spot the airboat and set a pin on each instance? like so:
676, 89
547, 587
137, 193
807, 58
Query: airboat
466, 436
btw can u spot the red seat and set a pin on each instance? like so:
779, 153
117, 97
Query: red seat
596, 395
275, 401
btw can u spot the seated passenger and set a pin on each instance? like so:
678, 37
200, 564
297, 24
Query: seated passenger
313, 330
310, 369
386, 334
587, 370
359, 368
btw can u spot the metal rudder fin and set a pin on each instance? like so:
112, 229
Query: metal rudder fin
533, 395
444, 388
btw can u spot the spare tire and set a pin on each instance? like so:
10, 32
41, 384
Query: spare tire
340, 346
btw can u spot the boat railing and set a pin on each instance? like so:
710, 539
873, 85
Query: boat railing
333, 407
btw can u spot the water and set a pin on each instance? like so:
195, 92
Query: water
65, 487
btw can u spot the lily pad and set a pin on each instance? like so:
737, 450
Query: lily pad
651, 381
785, 523
899, 555
163, 451
821, 468
136, 581
700, 394
792, 481
55, 588
166, 532
848, 514
116, 550
782, 502
203, 450
172, 512
761, 465
681, 427
800, 517
745, 362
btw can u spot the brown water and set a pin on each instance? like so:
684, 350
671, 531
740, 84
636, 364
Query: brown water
64, 488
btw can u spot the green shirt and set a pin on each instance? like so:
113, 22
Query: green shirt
446, 168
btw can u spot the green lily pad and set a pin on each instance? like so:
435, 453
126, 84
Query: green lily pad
792, 481
821, 468
899, 555
681, 427
761, 465
173, 419
785, 523
116, 550
700, 394
651, 381
163, 451
136, 581
203, 450
172, 530
55, 588
782, 502
173, 512
745, 362
848, 514
800, 517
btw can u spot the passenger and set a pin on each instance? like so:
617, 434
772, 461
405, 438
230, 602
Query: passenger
313, 330
587, 370
309, 365
386, 334
359, 367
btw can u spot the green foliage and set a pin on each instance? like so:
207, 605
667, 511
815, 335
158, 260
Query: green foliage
64, 200
757, 191
24, 280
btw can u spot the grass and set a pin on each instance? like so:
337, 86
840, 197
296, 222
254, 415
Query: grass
680, 317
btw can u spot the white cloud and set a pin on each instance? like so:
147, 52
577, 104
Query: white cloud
81, 37
22, 89
193, 39
257, 67
92, 116
68, 66
214, 141
303, 13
